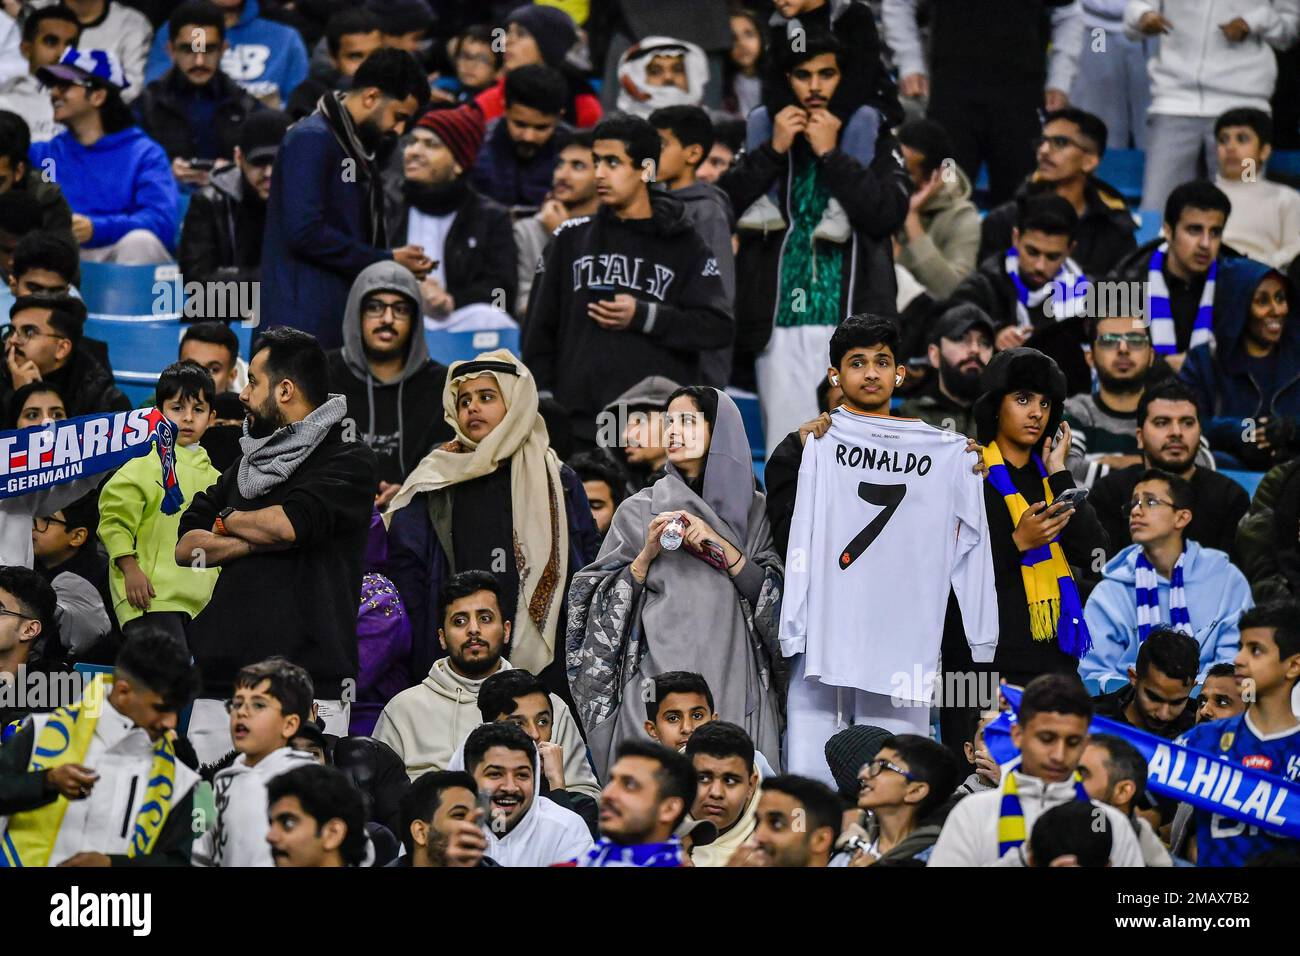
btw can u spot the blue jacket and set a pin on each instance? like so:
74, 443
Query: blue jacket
1226, 393
122, 182
499, 174
262, 56
1217, 594
314, 245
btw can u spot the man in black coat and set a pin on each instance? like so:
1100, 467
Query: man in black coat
287, 524
1070, 149
221, 238
466, 235
194, 110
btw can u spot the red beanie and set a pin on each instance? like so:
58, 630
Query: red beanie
460, 129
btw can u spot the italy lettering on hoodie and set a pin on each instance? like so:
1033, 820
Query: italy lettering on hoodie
681, 308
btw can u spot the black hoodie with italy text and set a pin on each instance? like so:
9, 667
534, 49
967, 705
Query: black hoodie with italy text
401, 419
681, 308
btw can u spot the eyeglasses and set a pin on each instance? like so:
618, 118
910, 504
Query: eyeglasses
1134, 340
25, 333
484, 59
5, 612
1146, 504
1058, 143
42, 525
374, 309
879, 765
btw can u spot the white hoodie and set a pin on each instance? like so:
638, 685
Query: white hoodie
425, 724
238, 835
1197, 71
548, 834
970, 834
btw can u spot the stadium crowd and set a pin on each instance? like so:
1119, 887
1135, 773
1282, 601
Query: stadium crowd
573, 600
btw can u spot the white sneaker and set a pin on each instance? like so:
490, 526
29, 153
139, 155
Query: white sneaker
834, 226
762, 216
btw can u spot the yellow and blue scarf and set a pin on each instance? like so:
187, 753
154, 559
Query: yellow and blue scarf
1011, 817
1055, 609
66, 737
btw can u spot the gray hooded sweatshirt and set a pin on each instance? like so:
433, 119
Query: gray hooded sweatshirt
400, 419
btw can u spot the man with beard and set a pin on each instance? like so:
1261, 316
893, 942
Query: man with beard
1169, 437
425, 724
195, 110
522, 146
1101, 424
466, 236
573, 194
287, 524
960, 346
385, 373
440, 817
522, 829
649, 793
327, 222
799, 821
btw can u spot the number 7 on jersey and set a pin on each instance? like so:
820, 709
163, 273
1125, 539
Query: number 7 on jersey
888, 497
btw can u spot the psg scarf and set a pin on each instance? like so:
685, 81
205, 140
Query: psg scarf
46, 455
1203, 780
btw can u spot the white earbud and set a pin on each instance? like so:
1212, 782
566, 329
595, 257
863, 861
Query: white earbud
835, 380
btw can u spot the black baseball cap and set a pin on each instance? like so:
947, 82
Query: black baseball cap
260, 135
958, 320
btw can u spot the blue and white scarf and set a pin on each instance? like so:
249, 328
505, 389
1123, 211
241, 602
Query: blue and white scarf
1148, 598
1164, 334
606, 853
1068, 291
53, 454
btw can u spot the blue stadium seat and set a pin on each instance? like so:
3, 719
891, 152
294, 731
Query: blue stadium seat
123, 291
1152, 220
448, 347
1123, 169
1247, 479
1285, 161
134, 310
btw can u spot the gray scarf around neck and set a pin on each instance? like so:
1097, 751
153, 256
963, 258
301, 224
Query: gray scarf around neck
269, 461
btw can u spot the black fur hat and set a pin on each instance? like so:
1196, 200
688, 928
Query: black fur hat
1012, 371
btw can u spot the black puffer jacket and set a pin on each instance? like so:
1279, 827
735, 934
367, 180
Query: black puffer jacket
1105, 235
875, 199
221, 238
161, 112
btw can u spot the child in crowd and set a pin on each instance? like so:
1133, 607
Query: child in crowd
476, 60
63, 543
145, 580
1265, 220
677, 705
272, 700
36, 403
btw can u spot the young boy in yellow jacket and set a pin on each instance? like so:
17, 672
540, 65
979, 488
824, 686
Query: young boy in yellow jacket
144, 579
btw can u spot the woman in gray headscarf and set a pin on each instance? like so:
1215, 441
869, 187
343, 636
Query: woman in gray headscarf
711, 607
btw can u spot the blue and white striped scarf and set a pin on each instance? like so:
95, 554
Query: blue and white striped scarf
1067, 291
1148, 598
1164, 334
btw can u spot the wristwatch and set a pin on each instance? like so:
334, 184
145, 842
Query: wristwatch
219, 526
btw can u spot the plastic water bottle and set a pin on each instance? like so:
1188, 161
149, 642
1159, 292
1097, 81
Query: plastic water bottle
670, 539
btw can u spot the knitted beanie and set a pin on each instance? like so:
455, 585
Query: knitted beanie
460, 129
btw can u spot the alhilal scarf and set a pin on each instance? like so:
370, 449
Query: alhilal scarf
1011, 816
1164, 334
45, 455
1055, 609
604, 854
1067, 291
1148, 598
